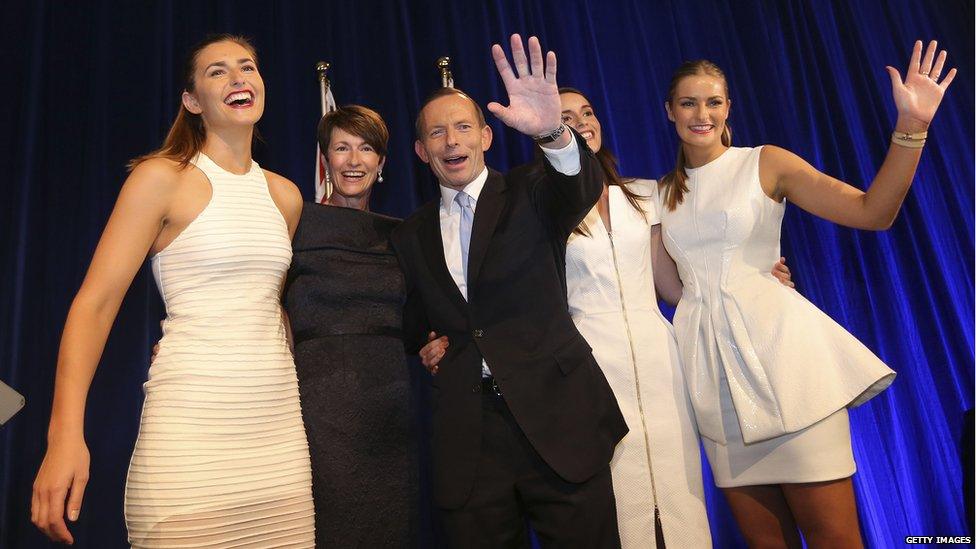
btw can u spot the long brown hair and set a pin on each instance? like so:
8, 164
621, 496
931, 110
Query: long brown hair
674, 185
608, 163
187, 134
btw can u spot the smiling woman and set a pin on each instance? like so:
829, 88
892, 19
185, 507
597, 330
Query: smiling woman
222, 455
770, 376
344, 297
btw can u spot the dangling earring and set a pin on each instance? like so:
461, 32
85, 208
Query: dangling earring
379, 176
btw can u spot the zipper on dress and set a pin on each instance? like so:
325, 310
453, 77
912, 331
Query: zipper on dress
633, 361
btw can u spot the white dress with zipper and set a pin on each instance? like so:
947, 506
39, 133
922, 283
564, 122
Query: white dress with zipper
612, 300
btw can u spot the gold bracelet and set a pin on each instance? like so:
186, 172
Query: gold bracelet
909, 140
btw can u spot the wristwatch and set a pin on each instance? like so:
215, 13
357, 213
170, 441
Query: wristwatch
551, 136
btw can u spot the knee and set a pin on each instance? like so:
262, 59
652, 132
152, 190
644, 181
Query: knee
832, 535
769, 539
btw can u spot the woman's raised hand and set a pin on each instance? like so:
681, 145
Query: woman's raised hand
918, 96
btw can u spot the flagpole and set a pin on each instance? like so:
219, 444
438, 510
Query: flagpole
323, 185
447, 79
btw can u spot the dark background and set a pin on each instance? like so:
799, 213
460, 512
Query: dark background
88, 85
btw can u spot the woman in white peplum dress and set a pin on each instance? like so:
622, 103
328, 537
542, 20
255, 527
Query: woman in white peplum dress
769, 375
222, 458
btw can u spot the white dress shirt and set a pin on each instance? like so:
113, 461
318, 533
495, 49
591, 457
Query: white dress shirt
565, 161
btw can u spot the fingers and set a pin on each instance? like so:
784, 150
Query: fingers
939, 64
948, 79
895, 77
535, 56
431, 336
501, 63
76, 495
57, 529
551, 67
518, 56
500, 112
916, 58
925, 68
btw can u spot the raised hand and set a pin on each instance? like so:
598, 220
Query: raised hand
918, 97
533, 95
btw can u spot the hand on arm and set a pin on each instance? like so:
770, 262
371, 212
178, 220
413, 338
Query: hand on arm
433, 351
782, 273
132, 228
533, 95
917, 99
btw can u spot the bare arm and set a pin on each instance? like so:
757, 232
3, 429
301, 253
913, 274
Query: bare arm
666, 279
287, 198
133, 227
785, 175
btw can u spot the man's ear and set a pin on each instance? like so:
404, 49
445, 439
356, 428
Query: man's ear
418, 148
191, 103
486, 137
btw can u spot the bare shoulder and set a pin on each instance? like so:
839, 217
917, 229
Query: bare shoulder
154, 182
779, 161
286, 195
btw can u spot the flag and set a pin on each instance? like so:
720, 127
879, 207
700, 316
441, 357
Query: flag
328, 105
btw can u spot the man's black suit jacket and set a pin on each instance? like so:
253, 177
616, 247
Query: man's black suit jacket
517, 318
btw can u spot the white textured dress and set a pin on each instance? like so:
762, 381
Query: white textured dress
612, 300
770, 375
222, 458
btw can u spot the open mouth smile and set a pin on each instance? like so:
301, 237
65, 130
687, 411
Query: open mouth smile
240, 100
455, 160
701, 128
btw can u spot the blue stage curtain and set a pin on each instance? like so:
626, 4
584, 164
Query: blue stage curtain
89, 85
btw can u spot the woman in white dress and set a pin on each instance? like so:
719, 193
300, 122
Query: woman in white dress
769, 375
222, 458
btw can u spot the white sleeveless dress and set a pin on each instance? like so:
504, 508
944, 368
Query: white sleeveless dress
611, 294
770, 375
222, 458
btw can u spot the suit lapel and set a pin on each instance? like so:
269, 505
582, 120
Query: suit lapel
433, 246
491, 202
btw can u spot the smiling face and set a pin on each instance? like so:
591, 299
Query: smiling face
452, 140
578, 114
353, 163
227, 87
699, 109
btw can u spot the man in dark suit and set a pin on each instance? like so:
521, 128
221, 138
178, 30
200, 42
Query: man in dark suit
524, 422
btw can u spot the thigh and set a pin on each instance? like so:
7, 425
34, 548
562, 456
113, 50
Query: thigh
825, 512
763, 515
566, 515
493, 516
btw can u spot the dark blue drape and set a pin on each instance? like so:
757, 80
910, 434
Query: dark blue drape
89, 85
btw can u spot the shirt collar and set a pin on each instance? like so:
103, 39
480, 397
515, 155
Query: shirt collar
473, 190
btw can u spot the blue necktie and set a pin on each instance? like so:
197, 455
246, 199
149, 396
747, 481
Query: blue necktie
465, 201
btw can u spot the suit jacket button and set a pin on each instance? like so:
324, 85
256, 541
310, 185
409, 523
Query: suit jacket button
478, 333
476, 388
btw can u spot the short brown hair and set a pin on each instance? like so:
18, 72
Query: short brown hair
358, 120
444, 92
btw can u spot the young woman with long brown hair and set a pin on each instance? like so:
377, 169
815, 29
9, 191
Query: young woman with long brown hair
770, 376
222, 455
